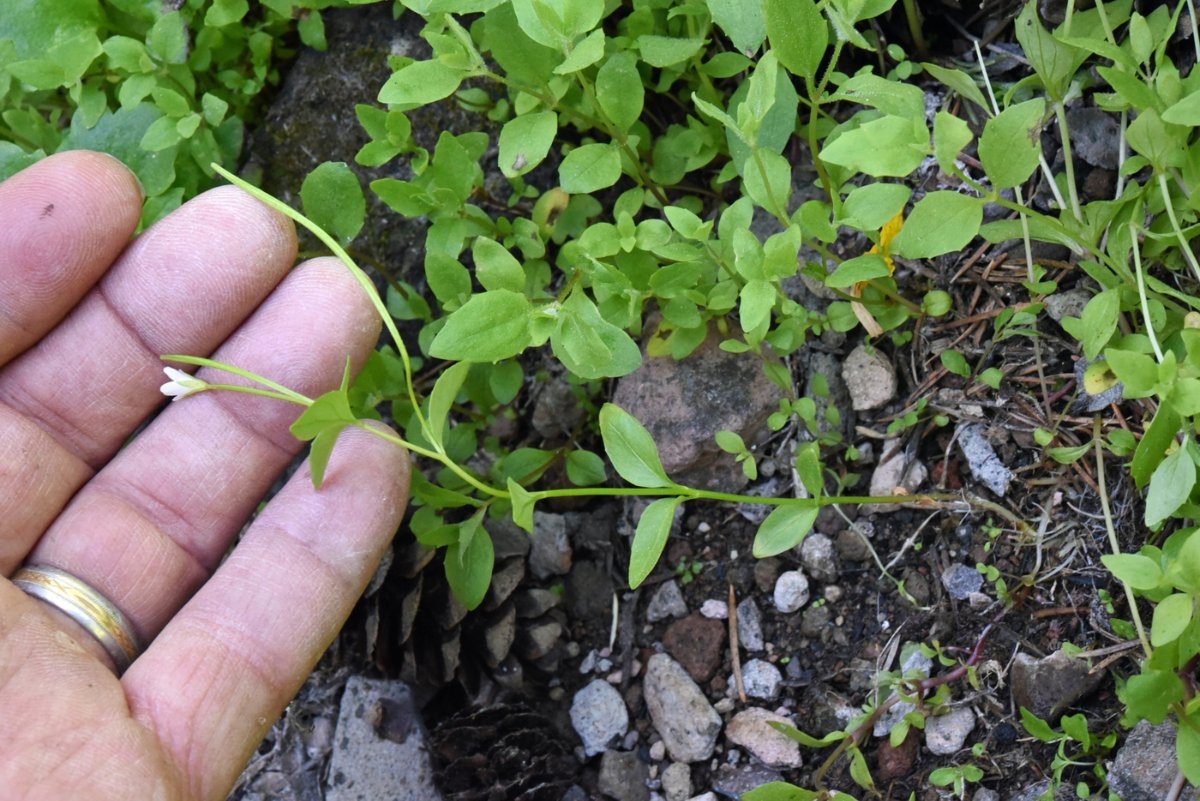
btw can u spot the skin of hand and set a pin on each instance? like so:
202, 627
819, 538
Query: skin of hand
148, 521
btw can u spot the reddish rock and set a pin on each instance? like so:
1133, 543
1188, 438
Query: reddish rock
696, 643
896, 762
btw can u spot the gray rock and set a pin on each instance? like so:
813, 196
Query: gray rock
761, 679
623, 776
685, 403
985, 465
683, 717
667, 601
985, 794
1067, 304
751, 730
1095, 136
599, 716
870, 378
818, 558
677, 781
749, 626
894, 474
380, 748
961, 581
734, 782
709, 796
551, 554
791, 591
1146, 765
714, 609
1048, 686
556, 411
945, 734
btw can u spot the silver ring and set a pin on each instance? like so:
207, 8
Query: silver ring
83, 604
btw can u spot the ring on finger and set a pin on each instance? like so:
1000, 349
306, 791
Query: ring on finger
87, 607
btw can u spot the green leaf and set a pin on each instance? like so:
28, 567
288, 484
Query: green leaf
1157, 438
1163, 144
589, 168
585, 468
757, 300
1172, 615
495, 267
1099, 320
167, 39
1053, 61
469, 562
525, 142
870, 206
631, 449
1187, 749
1138, 571
768, 181
1185, 112
333, 199
619, 91
445, 390
584, 54
1172, 483
884, 147
742, 21
1011, 143
784, 529
589, 345
798, 34
960, 82
781, 791
522, 505
419, 84
1137, 371
667, 51
940, 222
487, 328
321, 423
653, 528
955, 362
859, 269
1038, 727
226, 12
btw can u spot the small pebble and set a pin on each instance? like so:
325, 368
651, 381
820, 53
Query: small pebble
791, 591
715, 610
658, 750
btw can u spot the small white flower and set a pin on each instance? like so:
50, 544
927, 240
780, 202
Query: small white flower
181, 384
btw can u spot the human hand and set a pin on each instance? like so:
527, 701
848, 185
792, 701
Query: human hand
146, 522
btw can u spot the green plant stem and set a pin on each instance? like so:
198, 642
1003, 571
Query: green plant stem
1060, 112
1110, 528
1183, 243
912, 16
278, 391
1145, 300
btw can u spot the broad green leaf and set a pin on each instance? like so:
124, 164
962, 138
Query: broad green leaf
783, 529
522, 505
940, 222
331, 410
960, 82
168, 38
1172, 483
1137, 371
780, 791
1054, 61
619, 91
884, 147
495, 267
419, 84
487, 328
1138, 571
859, 269
1099, 320
630, 448
469, 565
742, 21
768, 181
333, 199
757, 299
1172, 615
667, 51
653, 528
1185, 112
583, 55
892, 97
1163, 144
589, 345
445, 391
1038, 727
589, 168
1011, 143
525, 142
1187, 749
798, 33
225, 12
870, 206
585, 468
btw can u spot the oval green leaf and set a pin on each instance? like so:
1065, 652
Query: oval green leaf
487, 328
631, 449
941, 222
590, 168
785, 528
525, 142
653, 528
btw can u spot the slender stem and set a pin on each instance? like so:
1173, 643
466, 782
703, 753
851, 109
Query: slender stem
1060, 111
1112, 535
1183, 243
1145, 300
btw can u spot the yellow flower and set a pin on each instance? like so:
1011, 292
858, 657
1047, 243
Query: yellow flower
886, 234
